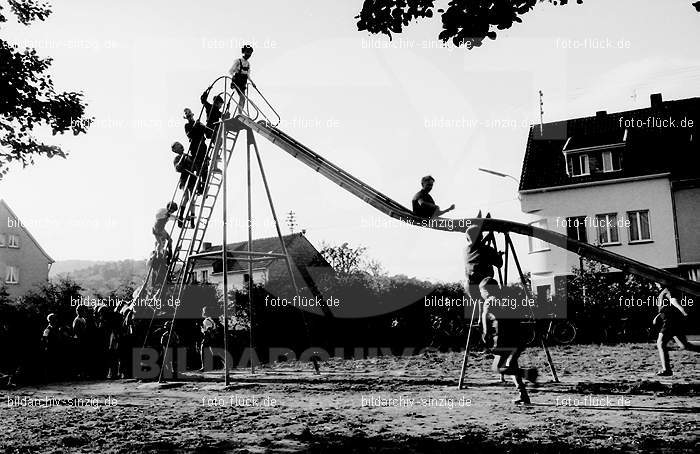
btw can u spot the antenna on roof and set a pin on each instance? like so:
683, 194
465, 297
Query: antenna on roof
541, 112
291, 221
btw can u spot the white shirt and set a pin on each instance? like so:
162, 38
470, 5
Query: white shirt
162, 217
240, 65
208, 324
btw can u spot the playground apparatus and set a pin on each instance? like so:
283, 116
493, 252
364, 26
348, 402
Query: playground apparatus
264, 122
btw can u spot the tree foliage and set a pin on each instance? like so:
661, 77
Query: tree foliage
464, 22
599, 302
345, 259
57, 297
29, 98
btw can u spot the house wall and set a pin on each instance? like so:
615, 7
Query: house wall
687, 205
236, 279
555, 206
308, 266
32, 263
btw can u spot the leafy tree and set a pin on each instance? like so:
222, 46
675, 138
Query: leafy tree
345, 259
29, 99
4, 295
605, 305
465, 22
58, 297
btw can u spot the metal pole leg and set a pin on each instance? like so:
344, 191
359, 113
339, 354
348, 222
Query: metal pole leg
250, 258
252, 142
527, 293
224, 252
466, 349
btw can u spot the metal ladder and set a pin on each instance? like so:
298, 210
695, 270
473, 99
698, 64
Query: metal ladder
190, 239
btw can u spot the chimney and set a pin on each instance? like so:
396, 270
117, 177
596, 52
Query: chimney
206, 246
601, 113
656, 100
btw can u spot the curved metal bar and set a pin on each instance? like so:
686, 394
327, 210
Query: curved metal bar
258, 112
279, 119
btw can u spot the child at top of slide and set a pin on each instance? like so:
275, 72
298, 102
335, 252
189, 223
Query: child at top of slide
240, 75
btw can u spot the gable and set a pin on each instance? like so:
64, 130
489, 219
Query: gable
303, 254
7, 213
646, 142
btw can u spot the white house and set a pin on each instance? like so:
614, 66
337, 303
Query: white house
624, 181
307, 263
24, 265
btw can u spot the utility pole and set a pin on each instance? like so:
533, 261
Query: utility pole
541, 112
291, 221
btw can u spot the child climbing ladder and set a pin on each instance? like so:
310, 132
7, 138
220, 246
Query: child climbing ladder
163, 240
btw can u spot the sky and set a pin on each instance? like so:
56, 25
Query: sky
386, 111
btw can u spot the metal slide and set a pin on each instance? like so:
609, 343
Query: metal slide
394, 209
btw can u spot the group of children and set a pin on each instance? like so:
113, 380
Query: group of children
169, 341
193, 165
97, 345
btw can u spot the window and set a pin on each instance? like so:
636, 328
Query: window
611, 161
536, 244
639, 226
578, 165
205, 276
544, 293
12, 275
2, 240
576, 228
193, 277
607, 229
13, 241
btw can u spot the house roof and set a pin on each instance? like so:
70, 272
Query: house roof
647, 149
299, 247
31, 237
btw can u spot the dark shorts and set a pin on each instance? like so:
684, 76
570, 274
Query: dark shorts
184, 181
207, 341
670, 325
474, 280
239, 81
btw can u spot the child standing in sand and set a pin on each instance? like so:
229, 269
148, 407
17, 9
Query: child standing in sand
670, 321
503, 333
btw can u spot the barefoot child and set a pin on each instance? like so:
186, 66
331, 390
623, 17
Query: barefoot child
670, 320
169, 342
163, 239
503, 333
188, 179
208, 330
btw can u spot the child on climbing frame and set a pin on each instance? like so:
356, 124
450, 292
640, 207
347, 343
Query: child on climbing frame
183, 164
163, 239
479, 260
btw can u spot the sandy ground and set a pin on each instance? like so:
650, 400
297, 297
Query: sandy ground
615, 403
